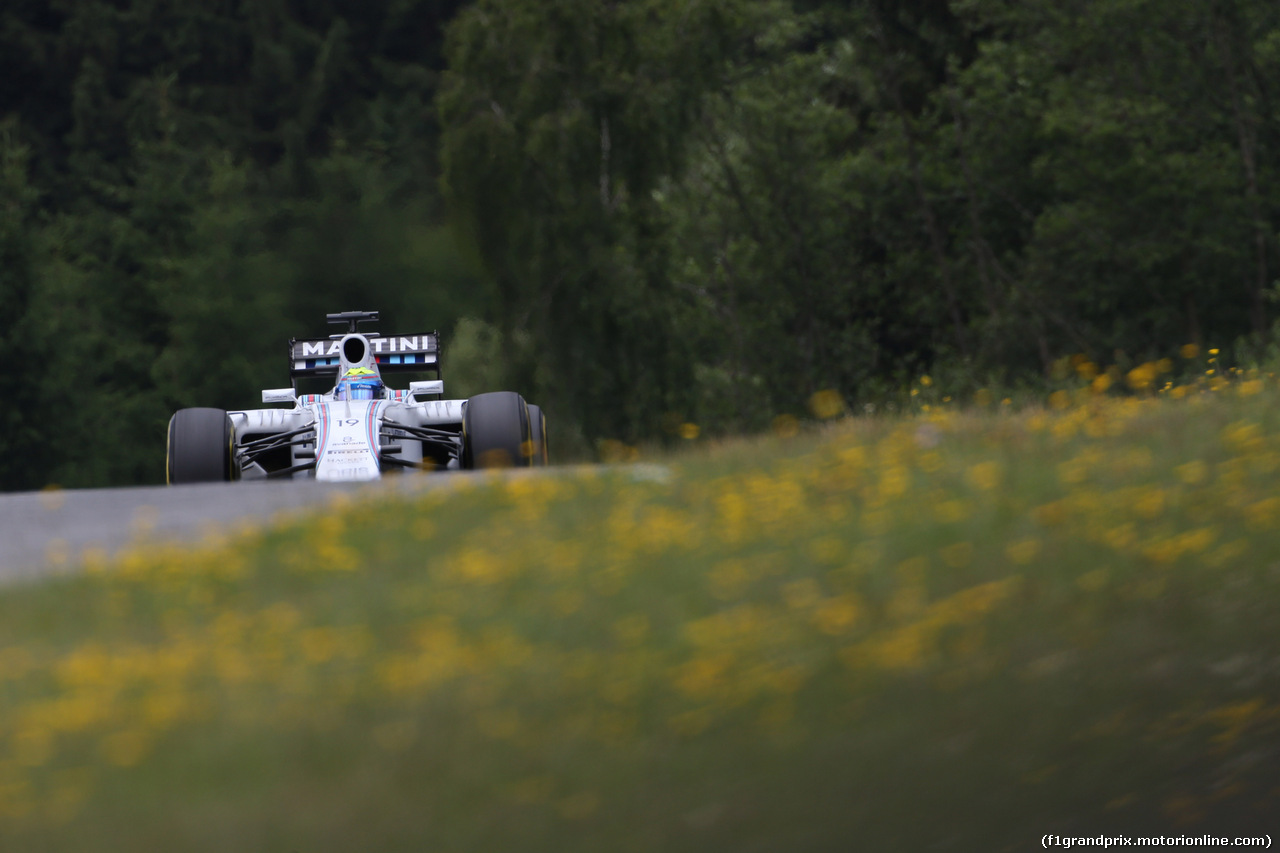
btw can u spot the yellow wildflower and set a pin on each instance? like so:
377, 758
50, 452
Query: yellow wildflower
1023, 551
984, 475
826, 404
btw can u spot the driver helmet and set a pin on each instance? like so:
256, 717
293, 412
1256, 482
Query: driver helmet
359, 383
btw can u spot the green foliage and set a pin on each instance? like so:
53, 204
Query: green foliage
19, 359
186, 187
560, 119
668, 211
1138, 129
847, 195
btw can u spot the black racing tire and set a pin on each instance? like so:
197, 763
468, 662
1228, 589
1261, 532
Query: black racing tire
538, 435
495, 431
200, 444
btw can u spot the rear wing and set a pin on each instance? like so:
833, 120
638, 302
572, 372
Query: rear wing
319, 358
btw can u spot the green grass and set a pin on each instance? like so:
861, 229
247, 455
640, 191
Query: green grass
958, 631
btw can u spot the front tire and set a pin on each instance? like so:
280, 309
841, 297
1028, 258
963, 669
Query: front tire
538, 435
495, 431
199, 447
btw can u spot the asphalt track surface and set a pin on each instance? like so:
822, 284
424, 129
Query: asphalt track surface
51, 531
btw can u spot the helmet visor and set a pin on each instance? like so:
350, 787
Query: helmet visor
366, 390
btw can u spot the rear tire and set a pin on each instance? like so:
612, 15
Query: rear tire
495, 431
199, 447
538, 435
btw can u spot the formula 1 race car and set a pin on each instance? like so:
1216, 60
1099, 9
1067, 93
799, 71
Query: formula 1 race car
360, 428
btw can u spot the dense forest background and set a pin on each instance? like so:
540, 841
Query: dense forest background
636, 213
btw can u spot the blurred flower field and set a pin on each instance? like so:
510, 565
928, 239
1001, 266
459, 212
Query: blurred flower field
956, 630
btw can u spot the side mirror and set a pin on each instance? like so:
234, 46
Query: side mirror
280, 395
426, 387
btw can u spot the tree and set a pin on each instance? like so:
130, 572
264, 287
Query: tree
205, 181
560, 120
20, 381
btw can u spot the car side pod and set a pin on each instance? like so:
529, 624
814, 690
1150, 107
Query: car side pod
200, 447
